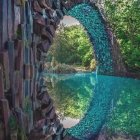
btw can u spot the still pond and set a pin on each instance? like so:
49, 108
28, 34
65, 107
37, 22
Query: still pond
86, 102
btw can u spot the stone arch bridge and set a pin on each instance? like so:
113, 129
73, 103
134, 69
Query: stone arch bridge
27, 29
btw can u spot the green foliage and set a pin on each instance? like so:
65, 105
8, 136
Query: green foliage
72, 93
124, 17
71, 46
93, 64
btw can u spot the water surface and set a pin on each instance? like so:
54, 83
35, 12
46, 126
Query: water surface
86, 102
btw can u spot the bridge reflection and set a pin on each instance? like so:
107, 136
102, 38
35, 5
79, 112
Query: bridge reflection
107, 103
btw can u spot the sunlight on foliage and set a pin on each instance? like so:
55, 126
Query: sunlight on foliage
124, 18
72, 46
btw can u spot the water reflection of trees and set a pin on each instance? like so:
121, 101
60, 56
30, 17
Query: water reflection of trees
72, 94
115, 105
125, 117
117, 97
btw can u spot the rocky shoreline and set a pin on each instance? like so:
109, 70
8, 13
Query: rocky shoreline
65, 69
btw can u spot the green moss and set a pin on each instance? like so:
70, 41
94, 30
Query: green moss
90, 18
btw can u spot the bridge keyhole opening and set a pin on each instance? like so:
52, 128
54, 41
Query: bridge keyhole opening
71, 54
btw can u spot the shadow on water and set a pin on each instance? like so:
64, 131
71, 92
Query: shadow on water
108, 101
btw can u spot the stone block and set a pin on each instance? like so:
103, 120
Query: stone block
19, 2
19, 56
51, 30
44, 46
56, 4
59, 13
5, 114
21, 93
46, 35
36, 6
1, 131
51, 114
49, 3
1, 83
4, 60
17, 18
43, 4
28, 71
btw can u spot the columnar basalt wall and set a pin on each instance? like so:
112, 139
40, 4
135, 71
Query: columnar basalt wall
27, 29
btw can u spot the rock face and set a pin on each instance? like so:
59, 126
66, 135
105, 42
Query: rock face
26, 33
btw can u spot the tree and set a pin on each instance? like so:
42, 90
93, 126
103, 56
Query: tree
72, 46
124, 18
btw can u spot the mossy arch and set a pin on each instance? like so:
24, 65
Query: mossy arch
27, 31
105, 46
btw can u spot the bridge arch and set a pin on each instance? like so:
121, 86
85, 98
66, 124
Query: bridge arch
106, 52
105, 46
26, 33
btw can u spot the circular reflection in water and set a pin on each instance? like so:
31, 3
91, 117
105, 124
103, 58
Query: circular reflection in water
86, 103
72, 94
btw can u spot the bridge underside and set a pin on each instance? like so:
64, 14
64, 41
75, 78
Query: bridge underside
26, 33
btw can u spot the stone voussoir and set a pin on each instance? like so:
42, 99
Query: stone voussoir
36, 6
